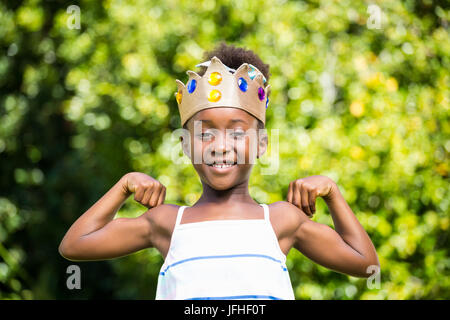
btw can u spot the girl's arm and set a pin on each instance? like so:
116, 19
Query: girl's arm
96, 235
347, 249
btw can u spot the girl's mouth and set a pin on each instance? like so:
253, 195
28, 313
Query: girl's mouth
222, 167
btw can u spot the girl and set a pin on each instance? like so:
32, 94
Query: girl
226, 246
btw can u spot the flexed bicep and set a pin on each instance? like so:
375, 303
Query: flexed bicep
323, 245
120, 237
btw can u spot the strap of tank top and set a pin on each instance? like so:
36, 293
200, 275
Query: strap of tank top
266, 211
179, 215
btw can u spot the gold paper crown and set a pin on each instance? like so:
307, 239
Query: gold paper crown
222, 86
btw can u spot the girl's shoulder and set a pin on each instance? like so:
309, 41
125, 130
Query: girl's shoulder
286, 208
286, 217
163, 217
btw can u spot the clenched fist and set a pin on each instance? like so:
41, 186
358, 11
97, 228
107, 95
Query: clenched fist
303, 192
147, 190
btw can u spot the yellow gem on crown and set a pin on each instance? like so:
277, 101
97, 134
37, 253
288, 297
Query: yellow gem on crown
214, 95
179, 96
215, 78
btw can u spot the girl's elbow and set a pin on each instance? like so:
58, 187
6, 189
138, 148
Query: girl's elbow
365, 268
63, 250
67, 252
370, 269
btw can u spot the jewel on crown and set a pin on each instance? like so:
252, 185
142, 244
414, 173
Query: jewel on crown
222, 86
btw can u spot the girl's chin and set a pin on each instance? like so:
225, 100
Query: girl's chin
221, 185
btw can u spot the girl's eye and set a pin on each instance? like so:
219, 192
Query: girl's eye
205, 136
238, 134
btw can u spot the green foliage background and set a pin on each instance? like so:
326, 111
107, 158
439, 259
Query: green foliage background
367, 107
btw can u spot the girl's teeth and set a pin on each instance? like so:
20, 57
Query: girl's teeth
222, 165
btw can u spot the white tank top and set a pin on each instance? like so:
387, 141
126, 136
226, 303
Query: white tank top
224, 259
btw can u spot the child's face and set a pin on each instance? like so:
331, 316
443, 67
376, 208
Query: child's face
224, 136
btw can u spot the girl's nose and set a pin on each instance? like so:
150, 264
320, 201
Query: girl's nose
221, 144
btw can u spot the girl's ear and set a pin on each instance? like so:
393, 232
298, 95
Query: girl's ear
186, 144
262, 142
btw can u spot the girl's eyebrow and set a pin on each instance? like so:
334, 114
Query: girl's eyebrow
238, 120
232, 121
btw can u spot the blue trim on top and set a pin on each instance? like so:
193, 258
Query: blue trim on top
222, 257
255, 296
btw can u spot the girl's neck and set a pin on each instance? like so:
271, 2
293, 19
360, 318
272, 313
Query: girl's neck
237, 194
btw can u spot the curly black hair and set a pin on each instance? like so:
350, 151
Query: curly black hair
234, 57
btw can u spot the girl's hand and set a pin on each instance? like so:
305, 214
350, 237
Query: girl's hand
303, 192
147, 191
